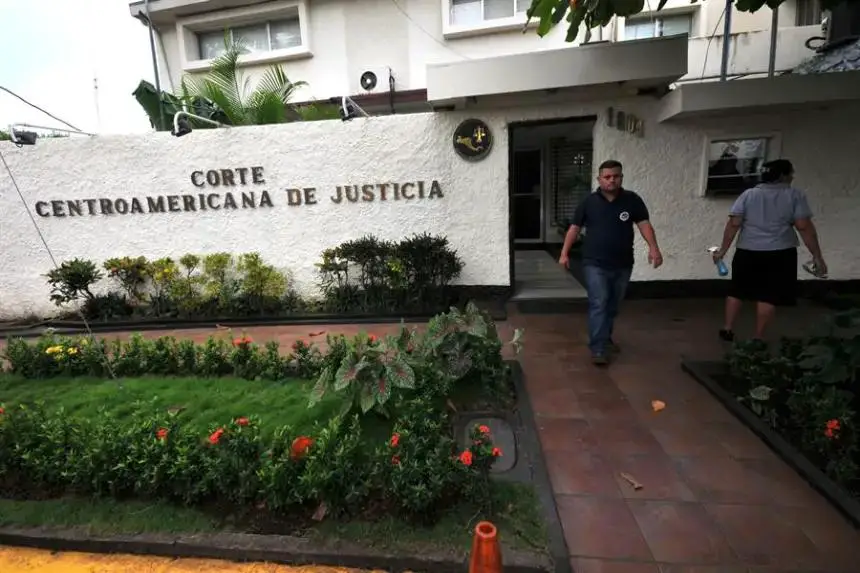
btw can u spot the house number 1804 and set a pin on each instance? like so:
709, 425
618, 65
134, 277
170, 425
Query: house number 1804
624, 122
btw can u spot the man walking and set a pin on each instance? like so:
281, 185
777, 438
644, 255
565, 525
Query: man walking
609, 215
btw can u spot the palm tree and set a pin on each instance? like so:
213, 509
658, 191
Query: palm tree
268, 102
225, 95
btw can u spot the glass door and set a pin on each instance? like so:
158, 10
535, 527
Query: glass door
528, 197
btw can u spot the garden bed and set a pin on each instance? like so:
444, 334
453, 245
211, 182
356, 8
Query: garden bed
360, 453
364, 280
801, 399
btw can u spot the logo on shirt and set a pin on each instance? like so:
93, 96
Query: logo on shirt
624, 215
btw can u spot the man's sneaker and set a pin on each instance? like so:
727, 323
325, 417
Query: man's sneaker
614, 348
599, 359
727, 335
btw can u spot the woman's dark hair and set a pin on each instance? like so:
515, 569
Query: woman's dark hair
772, 171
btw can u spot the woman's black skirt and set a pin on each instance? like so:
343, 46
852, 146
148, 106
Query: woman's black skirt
765, 276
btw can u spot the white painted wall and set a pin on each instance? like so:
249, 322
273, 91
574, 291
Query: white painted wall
349, 37
473, 212
666, 167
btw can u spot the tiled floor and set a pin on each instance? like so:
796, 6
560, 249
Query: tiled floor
714, 498
539, 276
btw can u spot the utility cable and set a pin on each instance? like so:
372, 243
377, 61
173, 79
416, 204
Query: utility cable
89, 330
52, 116
427, 33
710, 39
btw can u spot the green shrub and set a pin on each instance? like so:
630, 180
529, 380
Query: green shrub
809, 391
372, 275
72, 281
152, 456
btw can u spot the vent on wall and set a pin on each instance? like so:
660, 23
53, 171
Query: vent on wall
372, 80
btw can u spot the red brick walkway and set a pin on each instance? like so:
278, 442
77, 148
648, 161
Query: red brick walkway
714, 498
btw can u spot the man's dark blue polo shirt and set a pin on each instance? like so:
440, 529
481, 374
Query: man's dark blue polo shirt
609, 224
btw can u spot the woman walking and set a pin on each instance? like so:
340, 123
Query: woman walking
764, 269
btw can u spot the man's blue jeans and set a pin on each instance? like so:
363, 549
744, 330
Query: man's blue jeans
606, 288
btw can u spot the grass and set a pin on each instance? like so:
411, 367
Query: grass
207, 402
204, 401
517, 517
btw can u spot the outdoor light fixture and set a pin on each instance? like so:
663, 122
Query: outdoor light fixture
349, 109
181, 125
20, 137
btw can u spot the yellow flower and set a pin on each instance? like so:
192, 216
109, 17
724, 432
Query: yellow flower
72, 350
54, 349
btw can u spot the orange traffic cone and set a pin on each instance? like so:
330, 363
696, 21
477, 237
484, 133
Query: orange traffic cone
486, 555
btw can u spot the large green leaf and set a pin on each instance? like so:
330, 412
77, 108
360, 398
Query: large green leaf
366, 398
398, 373
320, 387
348, 371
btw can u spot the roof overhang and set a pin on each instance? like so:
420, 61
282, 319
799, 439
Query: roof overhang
644, 64
167, 11
779, 93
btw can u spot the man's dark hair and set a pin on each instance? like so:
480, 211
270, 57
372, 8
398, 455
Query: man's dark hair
610, 164
772, 171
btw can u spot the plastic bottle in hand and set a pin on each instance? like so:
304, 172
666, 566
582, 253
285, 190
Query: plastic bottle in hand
722, 269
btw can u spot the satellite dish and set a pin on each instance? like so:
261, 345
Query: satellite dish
368, 80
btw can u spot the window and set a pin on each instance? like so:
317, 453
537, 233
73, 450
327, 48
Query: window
808, 13
255, 38
734, 165
475, 12
640, 28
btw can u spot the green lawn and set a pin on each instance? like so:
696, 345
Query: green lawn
206, 402
516, 514
203, 401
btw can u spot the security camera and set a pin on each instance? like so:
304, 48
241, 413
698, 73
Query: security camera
181, 127
349, 109
23, 137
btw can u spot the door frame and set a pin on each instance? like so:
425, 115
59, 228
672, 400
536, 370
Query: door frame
542, 236
512, 127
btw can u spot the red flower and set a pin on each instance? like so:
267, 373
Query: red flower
466, 458
395, 440
395, 460
242, 421
161, 434
298, 345
371, 338
832, 428
300, 447
497, 452
242, 341
215, 436
2, 411
484, 429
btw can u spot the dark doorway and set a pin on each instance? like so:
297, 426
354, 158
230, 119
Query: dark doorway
550, 172
527, 196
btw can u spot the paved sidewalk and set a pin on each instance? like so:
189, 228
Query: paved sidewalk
714, 499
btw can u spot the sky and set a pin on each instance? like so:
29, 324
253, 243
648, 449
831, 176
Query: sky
50, 52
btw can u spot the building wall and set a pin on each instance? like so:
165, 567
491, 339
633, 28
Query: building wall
347, 38
666, 166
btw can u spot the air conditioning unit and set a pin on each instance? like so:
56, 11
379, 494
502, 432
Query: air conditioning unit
372, 80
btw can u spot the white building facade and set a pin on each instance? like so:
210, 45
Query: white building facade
330, 44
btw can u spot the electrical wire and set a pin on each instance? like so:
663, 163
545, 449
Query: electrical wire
52, 116
425, 32
89, 330
710, 39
